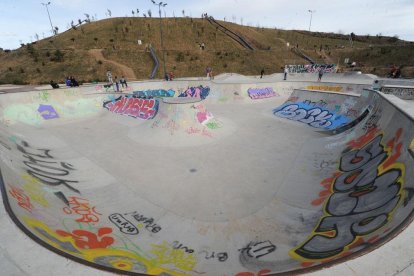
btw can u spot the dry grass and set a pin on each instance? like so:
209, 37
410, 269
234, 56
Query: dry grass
39, 62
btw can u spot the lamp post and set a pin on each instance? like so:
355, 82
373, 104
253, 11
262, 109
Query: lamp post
50, 20
310, 22
161, 4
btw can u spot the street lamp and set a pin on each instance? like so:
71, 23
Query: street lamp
161, 4
50, 20
310, 22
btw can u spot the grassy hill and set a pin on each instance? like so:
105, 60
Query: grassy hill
92, 48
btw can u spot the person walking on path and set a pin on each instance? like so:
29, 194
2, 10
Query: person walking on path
262, 73
286, 71
109, 76
320, 74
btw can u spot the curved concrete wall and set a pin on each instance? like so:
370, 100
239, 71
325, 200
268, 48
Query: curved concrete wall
335, 197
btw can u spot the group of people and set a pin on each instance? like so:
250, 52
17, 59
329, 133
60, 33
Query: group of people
115, 83
71, 82
169, 76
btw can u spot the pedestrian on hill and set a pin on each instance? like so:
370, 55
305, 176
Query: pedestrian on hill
285, 71
320, 74
262, 73
109, 76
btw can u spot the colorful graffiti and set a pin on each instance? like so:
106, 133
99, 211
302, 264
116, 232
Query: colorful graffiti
96, 246
82, 208
22, 199
154, 93
309, 114
196, 92
47, 112
311, 68
360, 198
325, 88
261, 93
134, 107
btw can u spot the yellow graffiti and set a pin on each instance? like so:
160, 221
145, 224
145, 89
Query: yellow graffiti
113, 258
34, 190
412, 145
166, 254
325, 88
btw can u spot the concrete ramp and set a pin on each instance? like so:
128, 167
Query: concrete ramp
204, 188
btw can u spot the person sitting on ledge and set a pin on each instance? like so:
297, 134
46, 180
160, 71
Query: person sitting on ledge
54, 84
68, 82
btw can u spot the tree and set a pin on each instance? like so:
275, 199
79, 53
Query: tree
137, 12
149, 13
109, 12
87, 18
56, 30
183, 13
96, 40
133, 13
37, 36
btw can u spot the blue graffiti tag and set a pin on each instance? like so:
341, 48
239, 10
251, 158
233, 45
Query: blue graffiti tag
196, 92
155, 93
311, 115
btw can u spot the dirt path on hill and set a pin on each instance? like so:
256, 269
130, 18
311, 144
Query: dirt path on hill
125, 70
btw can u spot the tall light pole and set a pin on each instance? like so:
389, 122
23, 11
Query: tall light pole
50, 20
310, 22
161, 4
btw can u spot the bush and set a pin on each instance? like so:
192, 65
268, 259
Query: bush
179, 57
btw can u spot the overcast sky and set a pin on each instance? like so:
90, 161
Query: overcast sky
21, 20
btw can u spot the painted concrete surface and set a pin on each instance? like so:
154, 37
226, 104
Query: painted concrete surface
221, 186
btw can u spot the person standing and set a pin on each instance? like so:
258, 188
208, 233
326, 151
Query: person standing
262, 73
286, 71
123, 82
109, 76
116, 84
320, 74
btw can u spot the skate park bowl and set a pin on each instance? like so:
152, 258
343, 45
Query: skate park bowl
233, 176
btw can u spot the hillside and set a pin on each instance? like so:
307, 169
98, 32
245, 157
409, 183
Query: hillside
92, 48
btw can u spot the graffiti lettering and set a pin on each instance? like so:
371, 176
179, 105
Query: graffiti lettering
124, 225
366, 190
22, 199
154, 93
41, 166
258, 249
81, 207
325, 88
311, 68
221, 257
134, 107
177, 245
147, 221
196, 92
402, 92
261, 93
313, 116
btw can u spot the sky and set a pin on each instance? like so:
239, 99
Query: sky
22, 21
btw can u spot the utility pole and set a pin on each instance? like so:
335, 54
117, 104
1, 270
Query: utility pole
50, 20
161, 4
310, 22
